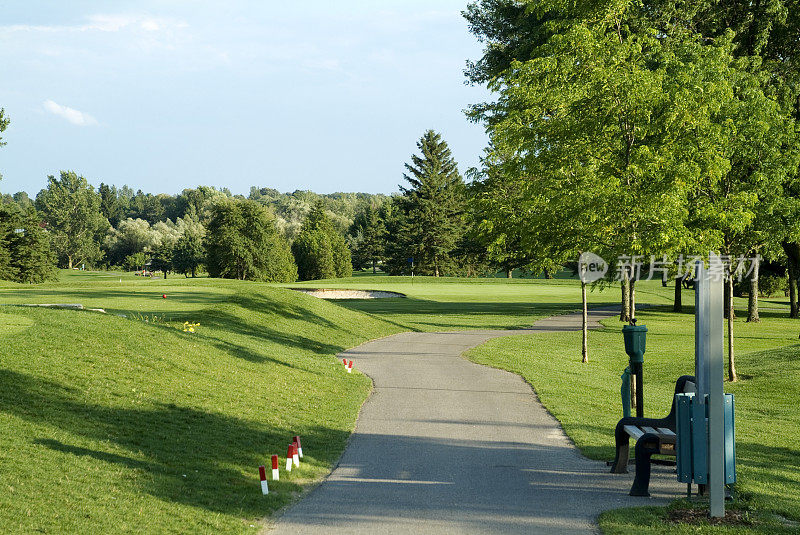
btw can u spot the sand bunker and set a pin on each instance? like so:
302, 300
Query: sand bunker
323, 293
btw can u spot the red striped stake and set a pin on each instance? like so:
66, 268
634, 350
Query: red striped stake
299, 447
350, 367
289, 459
275, 472
263, 474
344, 361
295, 455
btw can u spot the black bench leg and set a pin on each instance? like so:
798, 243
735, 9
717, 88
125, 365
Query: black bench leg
646, 446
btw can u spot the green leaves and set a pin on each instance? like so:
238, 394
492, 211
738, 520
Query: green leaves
631, 132
243, 243
71, 209
319, 250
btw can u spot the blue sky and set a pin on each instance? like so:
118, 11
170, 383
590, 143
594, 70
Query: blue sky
327, 96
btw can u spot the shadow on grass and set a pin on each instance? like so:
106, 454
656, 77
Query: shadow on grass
450, 311
225, 326
772, 459
191, 456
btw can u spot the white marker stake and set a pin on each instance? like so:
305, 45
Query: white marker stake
350, 367
275, 472
295, 455
289, 459
263, 474
299, 447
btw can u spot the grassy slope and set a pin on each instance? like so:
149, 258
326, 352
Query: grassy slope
116, 425
767, 398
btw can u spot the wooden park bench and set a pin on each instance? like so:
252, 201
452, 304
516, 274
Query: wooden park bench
653, 436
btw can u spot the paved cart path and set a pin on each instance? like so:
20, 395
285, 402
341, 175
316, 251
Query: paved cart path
444, 445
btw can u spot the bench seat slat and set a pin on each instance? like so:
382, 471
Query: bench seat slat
667, 432
633, 431
649, 430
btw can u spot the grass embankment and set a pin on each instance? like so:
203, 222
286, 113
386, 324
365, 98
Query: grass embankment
112, 424
586, 400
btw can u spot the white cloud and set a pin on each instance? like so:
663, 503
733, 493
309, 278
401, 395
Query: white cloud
72, 115
103, 23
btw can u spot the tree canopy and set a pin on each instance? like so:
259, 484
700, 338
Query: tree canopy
71, 209
243, 243
319, 250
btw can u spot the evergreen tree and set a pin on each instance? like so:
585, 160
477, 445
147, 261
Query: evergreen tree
25, 254
319, 250
432, 207
109, 204
370, 230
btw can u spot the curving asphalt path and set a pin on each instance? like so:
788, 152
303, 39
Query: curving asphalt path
444, 446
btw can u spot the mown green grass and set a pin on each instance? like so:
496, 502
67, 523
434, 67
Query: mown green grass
586, 398
126, 424
436, 304
113, 424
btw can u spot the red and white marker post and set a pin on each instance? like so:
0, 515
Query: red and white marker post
295, 455
344, 361
275, 472
289, 459
299, 447
350, 367
262, 472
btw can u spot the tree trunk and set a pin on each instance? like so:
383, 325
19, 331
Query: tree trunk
727, 308
165, 274
632, 298
625, 315
373, 266
509, 273
664, 279
792, 251
732, 377
752, 299
69, 261
678, 305
585, 325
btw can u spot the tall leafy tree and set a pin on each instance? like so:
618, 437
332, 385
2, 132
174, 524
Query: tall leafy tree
432, 206
71, 209
243, 243
131, 236
188, 254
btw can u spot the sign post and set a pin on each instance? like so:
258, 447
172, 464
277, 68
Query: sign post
709, 370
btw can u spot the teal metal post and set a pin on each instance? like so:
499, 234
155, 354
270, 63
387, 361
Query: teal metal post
625, 392
635, 337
